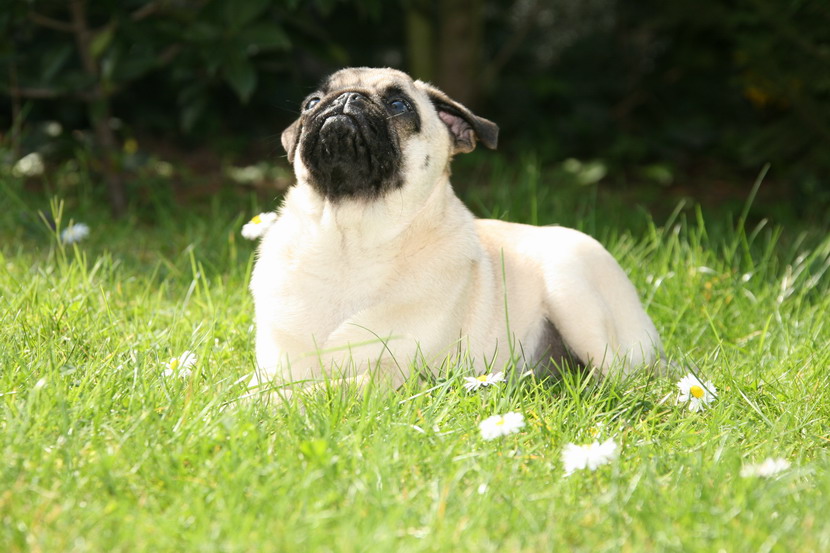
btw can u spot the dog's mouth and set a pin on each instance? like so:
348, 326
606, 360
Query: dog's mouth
340, 137
349, 151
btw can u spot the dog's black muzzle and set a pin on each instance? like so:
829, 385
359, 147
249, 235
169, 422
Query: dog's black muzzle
349, 150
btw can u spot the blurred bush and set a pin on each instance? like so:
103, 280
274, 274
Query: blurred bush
700, 88
661, 91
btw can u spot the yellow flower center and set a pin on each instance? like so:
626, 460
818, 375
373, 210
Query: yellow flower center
696, 391
256, 220
174, 364
482, 378
500, 422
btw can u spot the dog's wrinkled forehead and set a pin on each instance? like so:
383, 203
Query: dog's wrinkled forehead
366, 78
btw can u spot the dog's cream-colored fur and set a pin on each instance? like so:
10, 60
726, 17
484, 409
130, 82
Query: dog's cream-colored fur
351, 286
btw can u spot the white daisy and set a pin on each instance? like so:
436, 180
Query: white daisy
577, 457
180, 366
74, 233
501, 425
769, 467
256, 227
698, 394
475, 382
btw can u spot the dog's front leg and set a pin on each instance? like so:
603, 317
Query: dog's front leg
351, 358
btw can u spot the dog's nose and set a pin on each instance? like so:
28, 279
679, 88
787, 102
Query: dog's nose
354, 97
352, 101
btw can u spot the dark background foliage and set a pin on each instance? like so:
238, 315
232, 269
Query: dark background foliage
683, 96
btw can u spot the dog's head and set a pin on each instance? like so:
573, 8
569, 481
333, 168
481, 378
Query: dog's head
366, 131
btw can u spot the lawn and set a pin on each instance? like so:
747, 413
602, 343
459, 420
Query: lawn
102, 450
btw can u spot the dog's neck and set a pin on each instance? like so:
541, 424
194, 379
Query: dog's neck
382, 222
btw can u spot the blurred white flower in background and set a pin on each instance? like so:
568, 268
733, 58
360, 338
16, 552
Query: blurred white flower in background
769, 467
74, 233
578, 457
30, 165
162, 168
501, 425
53, 129
246, 175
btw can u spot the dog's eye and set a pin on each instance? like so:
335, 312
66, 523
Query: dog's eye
311, 103
397, 106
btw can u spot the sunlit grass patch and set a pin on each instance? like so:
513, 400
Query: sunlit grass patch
104, 451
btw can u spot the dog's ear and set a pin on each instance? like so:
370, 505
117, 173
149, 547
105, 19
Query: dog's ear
289, 139
465, 127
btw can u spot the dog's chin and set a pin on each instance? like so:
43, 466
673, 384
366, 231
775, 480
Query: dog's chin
350, 157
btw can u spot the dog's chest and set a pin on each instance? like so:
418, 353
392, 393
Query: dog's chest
308, 287
337, 287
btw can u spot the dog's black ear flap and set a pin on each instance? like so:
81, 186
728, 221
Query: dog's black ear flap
289, 139
465, 127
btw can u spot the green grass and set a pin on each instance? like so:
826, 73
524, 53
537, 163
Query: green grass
100, 452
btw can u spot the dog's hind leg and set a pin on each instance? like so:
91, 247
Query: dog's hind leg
592, 303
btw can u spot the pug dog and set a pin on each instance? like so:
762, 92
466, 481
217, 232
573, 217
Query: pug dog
375, 267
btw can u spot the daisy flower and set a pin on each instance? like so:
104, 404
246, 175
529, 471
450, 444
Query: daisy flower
769, 467
577, 457
475, 382
501, 425
74, 233
180, 366
256, 227
698, 394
